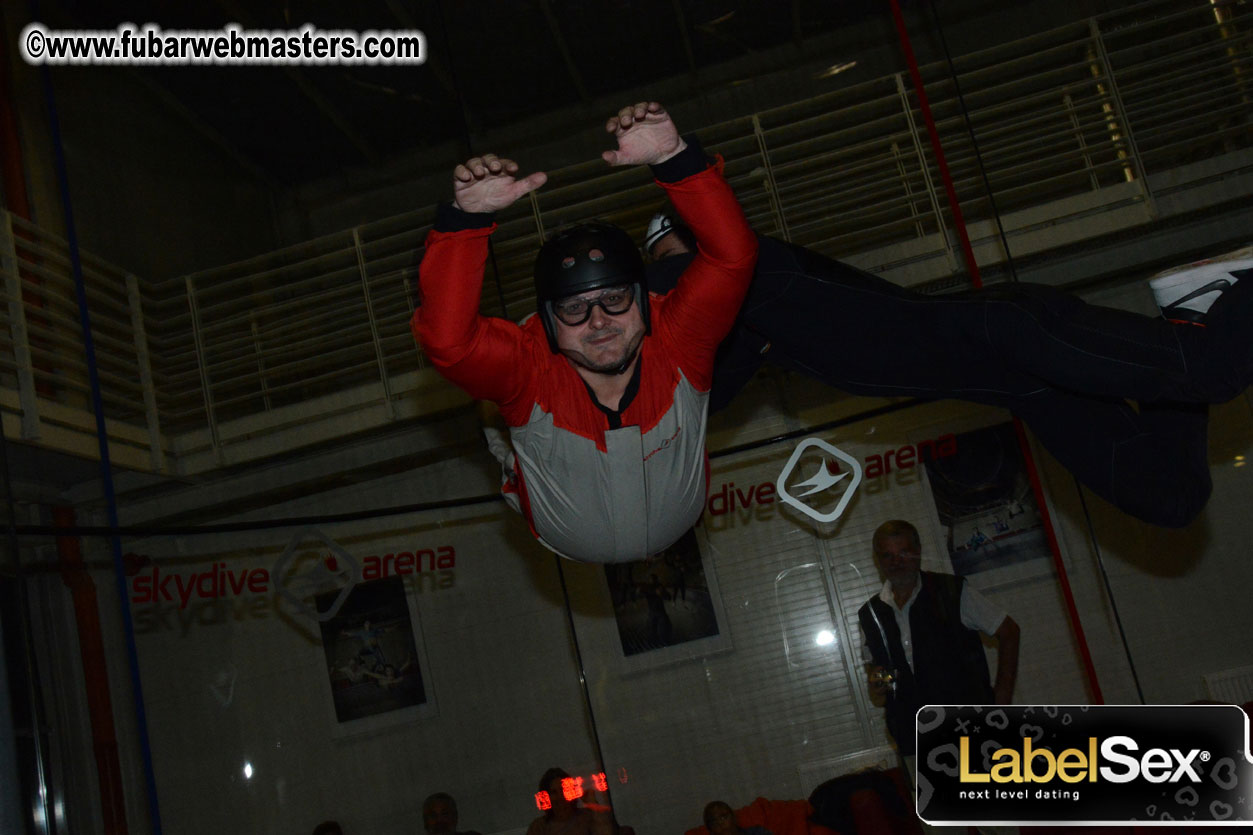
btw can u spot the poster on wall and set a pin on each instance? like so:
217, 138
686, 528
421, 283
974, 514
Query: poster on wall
372, 659
665, 603
984, 499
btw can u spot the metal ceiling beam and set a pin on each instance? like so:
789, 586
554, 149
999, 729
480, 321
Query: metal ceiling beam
687, 41
575, 76
307, 89
436, 67
171, 102
198, 124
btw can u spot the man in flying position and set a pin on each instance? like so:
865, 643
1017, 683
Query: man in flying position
605, 389
1067, 368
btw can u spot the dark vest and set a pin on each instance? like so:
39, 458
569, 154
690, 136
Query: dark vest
949, 664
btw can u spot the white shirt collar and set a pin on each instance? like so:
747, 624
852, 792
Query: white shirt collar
885, 594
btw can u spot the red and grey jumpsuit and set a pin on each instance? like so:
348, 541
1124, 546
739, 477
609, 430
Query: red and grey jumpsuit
593, 484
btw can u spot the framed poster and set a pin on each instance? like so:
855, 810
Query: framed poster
373, 664
985, 503
667, 607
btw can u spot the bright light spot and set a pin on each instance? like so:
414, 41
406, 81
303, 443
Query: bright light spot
836, 69
247, 771
825, 638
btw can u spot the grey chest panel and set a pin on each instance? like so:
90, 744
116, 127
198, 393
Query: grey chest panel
630, 501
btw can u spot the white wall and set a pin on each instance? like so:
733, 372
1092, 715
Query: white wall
766, 712
242, 679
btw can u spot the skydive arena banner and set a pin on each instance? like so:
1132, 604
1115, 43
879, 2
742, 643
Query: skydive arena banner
1168, 765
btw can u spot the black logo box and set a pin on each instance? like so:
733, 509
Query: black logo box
1210, 740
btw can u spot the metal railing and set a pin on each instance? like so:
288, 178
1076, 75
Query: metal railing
1069, 121
42, 356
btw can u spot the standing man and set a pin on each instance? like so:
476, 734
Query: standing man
605, 390
921, 633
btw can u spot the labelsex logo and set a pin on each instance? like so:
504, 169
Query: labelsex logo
823, 481
1156, 765
1188, 765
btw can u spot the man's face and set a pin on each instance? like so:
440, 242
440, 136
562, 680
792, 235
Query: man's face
440, 818
899, 560
605, 340
671, 244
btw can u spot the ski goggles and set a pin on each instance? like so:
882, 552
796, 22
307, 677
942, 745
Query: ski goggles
577, 309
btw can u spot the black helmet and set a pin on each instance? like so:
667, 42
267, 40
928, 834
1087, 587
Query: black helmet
587, 257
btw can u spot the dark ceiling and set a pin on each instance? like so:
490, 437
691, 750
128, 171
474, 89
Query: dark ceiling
491, 63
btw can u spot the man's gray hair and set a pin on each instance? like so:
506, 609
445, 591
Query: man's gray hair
897, 527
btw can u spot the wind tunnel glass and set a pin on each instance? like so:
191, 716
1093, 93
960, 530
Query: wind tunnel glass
577, 309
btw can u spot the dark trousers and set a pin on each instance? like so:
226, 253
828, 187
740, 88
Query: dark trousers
1065, 367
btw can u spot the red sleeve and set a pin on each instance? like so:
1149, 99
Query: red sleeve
487, 357
700, 311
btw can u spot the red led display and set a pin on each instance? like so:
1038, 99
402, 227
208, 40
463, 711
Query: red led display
572, 788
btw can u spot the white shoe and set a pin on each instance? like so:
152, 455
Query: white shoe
1186, 293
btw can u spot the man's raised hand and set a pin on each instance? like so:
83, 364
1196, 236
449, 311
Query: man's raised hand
489, 184
645, 135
